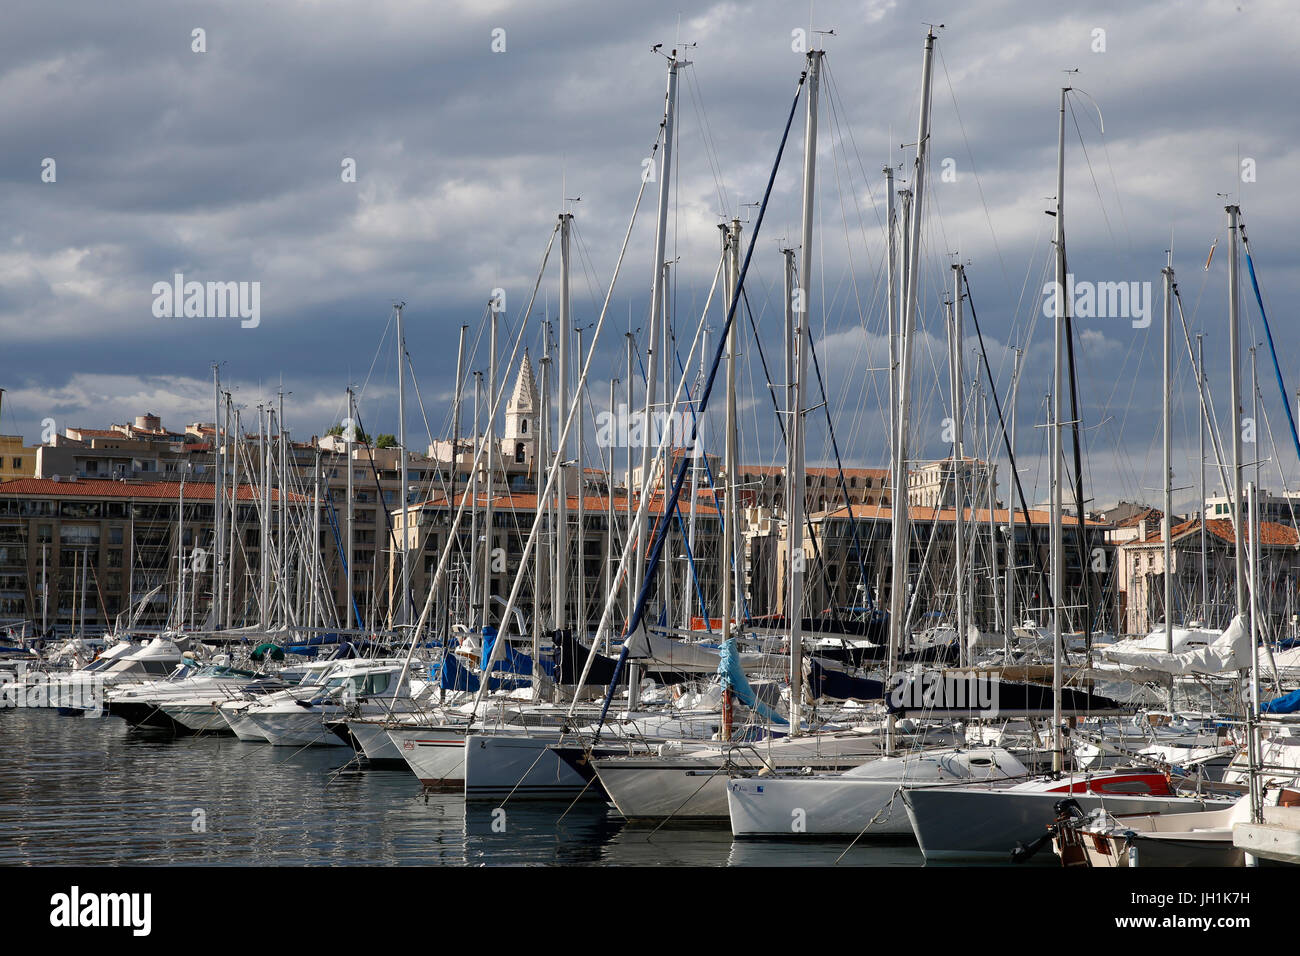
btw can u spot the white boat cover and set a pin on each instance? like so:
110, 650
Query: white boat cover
1203, 651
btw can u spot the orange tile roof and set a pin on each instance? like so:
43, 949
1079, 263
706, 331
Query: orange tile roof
1270, 532
1132, 521
109, 488
919, 513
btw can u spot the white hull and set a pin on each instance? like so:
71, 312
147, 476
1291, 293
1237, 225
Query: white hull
200, 718
970, 824
304, 729
863, 804
376, 746
436, 755
694, 787
518, 765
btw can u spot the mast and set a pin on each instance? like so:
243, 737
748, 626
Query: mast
472, 590
730, 238
561, 610
282, 486
403, 615
490, 457
958, 486
1167, 524
892, 265
234, 515
351, 614
180, 561
655, 333
1012, 549
912, 210
989, 432
1234, 378
264, 551
541, 557
1057, 549
456, 405
1200, 434
315, 544
609, 510
630, 579
582, 507
803, 337
218, 502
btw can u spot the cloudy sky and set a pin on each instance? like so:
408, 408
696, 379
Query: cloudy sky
227, 165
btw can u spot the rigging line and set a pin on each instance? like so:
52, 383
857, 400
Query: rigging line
453, 532
974, 172
706, 135
554, 469
1101, 203
813, 537
648, 584
997, 404
844, 485
1268, 330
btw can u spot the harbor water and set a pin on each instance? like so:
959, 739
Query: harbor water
91, 792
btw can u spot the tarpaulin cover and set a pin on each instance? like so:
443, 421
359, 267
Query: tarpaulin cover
1286, 704
733, 679
824, 682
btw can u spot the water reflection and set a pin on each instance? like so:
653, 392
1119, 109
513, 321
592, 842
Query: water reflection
92, 792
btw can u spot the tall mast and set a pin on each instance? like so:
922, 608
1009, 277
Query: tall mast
234, 515
582, 507
729, 465
1058, 378
912, 210
490, 457
1012, 550
1200, 434
892, 264
218, 503
264, 551
656, 311
1167, 524
474, 550
561, 609
958, 486
803, 338
282, 486
541, 557
1234, 378
180, 561
627, 472
350, 614
315, 544
403, 615
454, 479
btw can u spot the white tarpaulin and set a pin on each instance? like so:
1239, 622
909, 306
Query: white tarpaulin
1204, 652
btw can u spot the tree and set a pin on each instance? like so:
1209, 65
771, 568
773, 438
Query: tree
386, 441
359, 436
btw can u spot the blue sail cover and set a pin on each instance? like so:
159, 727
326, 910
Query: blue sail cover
453, 675
733, 679
1287, 704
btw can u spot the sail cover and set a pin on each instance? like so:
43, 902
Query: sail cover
732, 676
1229, 651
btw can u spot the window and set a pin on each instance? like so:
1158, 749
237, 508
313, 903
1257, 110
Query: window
18, 462
519, 452
114, 535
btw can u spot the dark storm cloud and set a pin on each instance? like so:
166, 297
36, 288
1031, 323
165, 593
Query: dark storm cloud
225, 165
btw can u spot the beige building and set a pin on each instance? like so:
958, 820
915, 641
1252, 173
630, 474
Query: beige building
1142, 573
